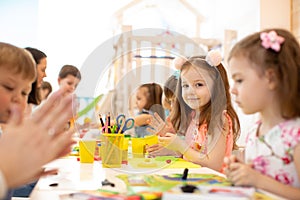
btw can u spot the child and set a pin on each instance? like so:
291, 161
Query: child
268, 62
158, 126
45, 90
205, 114
35, 133
169, 90
69, 77
148, 101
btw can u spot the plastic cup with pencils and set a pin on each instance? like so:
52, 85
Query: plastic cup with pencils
111, 150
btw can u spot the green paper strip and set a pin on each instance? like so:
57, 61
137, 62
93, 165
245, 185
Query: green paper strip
89, 106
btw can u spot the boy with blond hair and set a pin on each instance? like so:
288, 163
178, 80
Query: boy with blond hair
28, 140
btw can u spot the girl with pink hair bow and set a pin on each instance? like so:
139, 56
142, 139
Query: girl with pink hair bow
265, 67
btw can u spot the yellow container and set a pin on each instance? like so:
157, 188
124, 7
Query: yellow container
139, 145
87, 151
111, 150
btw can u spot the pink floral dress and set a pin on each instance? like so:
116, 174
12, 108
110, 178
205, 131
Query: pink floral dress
272, 153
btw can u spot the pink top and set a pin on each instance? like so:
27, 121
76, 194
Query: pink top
197, 137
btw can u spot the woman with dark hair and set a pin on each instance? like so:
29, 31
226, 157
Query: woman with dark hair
40, 59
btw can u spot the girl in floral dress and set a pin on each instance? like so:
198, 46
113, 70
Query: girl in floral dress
265, 67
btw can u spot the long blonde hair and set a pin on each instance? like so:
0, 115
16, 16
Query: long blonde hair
212, 112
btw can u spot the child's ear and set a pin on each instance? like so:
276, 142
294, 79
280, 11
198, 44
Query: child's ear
58, 80
272, 78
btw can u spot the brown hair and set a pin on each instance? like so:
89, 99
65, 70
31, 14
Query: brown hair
17, 60
285, 63
220, 100
170, 86
154, 98
46, 86
69, 70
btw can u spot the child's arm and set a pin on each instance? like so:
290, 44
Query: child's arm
216, 153
142, 119
159, 150
213, 160
242, 174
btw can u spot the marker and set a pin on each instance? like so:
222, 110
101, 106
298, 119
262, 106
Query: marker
53, 185
185, 174
101, 121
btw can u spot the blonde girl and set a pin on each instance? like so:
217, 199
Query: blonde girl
203, 112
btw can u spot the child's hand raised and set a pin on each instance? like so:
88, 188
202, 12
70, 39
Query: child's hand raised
36, 140
158, 125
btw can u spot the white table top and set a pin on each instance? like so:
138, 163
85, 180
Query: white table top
74, 176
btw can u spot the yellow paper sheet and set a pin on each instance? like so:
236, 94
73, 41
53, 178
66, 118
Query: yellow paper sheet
161, 162
180, 163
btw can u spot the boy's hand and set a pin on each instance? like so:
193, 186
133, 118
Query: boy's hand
29, 143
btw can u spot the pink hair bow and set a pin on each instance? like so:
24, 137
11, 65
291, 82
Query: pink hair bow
271, 40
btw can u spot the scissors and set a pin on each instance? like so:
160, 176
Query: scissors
128, 123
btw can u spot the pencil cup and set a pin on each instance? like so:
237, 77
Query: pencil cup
111, 150
87, 151
139, 145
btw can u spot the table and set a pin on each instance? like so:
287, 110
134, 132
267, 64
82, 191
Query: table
75, 176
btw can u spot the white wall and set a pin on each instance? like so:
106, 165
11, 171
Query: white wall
69, 30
